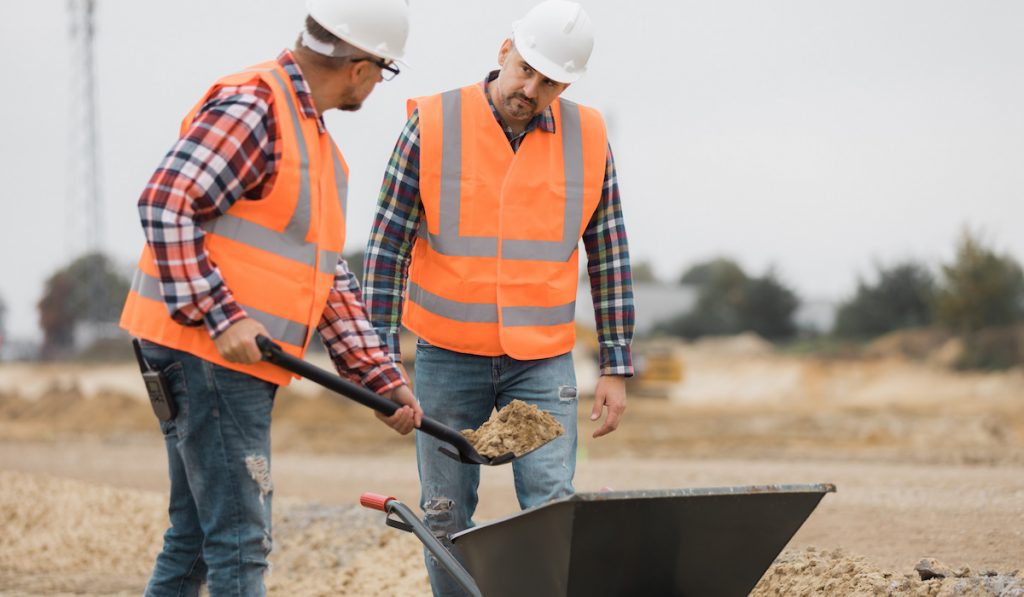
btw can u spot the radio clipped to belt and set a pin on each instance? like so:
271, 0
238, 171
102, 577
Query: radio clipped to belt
156, 387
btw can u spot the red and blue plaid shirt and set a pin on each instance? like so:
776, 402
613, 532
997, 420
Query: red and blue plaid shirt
399, 212
231, 153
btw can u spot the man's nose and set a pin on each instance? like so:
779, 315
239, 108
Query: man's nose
530, 88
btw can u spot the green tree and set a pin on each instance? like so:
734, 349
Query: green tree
718, 271
901, 296
641, 271
768, 308
730, 302
980, 288
87, 290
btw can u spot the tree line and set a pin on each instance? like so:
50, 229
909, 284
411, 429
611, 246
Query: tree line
978, 296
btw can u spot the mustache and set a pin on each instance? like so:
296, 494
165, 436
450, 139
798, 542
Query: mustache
522, 97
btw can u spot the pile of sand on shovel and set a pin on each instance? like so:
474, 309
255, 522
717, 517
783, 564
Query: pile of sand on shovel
517, 428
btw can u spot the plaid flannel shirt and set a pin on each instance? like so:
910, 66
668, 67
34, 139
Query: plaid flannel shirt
399, 212
230, 153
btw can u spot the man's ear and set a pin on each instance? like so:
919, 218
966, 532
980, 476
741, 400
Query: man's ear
504, 51
357, 71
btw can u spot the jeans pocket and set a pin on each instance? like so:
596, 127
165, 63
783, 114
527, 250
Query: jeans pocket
421, 343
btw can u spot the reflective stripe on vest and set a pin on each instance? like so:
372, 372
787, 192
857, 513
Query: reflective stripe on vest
291, 243
279, 328
451, 242
488, 313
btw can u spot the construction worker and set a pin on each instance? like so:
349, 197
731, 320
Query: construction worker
245, 222
474, 248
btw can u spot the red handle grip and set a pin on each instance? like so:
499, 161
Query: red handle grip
375, 501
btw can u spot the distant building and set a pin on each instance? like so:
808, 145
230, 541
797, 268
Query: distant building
654, 302
817, 315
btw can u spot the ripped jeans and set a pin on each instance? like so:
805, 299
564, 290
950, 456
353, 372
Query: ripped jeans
461, 391
218, 452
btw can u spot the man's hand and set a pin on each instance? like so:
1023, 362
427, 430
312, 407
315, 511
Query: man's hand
610, 394
408, 416
238, 343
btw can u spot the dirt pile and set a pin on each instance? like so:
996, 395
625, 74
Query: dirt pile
813, 572
61, 536
518, 428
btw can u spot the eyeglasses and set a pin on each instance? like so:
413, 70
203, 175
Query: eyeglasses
388, 69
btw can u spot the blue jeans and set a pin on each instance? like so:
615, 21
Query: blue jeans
218, 453
461, 390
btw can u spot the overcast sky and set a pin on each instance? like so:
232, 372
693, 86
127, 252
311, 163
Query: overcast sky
815, 136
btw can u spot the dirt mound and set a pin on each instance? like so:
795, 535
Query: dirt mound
745, 344
916, 343
813, 572
60, 536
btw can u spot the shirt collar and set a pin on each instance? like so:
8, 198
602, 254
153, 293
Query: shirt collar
545, 121
287, 61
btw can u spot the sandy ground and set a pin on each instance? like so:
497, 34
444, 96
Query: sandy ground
928, 464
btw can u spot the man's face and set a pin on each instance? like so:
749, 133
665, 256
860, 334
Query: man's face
522, 92
366, 75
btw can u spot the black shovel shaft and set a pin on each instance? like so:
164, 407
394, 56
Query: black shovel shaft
273, 353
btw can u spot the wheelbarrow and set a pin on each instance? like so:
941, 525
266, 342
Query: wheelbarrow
463, 450
706, 542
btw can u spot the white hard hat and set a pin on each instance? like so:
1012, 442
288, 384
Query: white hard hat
379, 27
556, 38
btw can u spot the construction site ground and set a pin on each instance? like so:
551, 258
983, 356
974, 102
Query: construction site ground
928, 464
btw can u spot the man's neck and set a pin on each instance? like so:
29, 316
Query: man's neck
315, 78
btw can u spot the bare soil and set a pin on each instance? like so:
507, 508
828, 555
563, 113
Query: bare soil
518, 428
928, 464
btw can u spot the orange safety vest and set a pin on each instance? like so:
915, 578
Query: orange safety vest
277, 255
494, 270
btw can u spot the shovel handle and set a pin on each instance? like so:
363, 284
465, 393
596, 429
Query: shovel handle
274, 354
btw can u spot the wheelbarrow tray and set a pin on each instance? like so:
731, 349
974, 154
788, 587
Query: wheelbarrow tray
704, 542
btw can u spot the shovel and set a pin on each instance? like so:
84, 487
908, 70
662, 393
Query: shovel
464, 451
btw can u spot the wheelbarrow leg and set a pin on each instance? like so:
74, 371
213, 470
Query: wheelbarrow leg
411, 523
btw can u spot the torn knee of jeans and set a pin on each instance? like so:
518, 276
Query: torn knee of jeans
259, 470
439, 518
566, 393
439, 505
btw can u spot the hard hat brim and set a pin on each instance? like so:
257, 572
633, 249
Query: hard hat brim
546, 67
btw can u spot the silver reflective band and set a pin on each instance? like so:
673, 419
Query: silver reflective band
488, 313
340, 181
291, 243
525, 316
455, 310
572, 155
329, 261
284, 330
451, 242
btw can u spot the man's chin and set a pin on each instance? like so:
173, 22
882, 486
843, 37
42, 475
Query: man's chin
350, 107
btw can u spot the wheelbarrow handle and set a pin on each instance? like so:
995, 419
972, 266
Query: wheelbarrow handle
276, 355
412, 524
